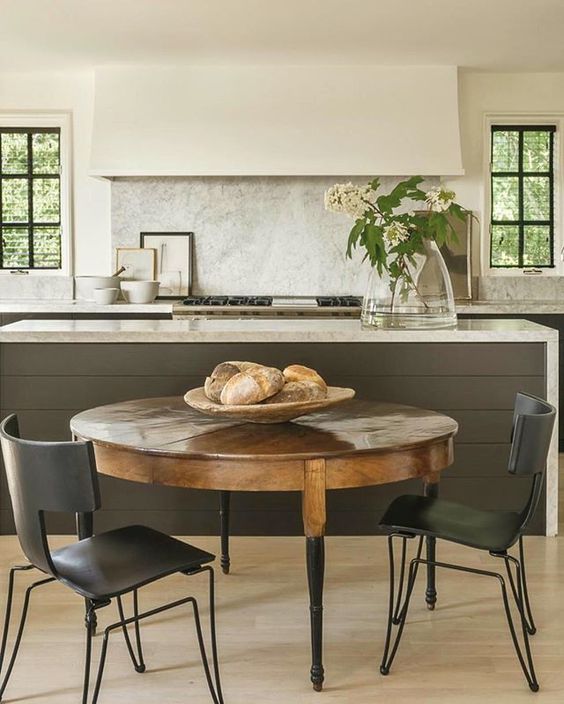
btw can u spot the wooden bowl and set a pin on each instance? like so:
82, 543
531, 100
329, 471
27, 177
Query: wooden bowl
266, 412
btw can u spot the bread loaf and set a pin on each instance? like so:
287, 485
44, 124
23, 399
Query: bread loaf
243, 366
214, 383
297, 372
253, 385
295, 391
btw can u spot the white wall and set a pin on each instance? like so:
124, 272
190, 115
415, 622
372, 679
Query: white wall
478, 93
481, 93
91, 197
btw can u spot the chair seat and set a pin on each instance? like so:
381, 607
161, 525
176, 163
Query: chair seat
495, 531
112, 563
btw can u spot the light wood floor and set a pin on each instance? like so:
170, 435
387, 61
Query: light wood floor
459, 653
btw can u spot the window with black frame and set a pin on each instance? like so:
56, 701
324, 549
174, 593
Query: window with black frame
522, 196
30, 198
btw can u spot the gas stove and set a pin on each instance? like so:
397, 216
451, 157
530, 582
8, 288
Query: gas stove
269, 306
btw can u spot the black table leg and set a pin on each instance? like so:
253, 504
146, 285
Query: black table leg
224, 505
315, 549
431, 489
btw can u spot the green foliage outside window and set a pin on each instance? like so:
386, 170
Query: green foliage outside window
522, 196
30, 202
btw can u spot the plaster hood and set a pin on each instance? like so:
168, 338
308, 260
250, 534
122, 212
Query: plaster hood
276, 120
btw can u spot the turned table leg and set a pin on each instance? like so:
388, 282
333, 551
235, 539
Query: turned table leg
314, 517
431, 488
224, 507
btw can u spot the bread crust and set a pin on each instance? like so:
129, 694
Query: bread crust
296, 391
253, 385
214, 383
298, 372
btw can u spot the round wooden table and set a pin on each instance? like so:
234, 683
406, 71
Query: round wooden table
359, 443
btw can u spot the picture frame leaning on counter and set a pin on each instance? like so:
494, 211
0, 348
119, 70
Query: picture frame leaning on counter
174, 261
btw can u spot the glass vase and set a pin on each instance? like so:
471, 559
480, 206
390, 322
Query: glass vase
422, 298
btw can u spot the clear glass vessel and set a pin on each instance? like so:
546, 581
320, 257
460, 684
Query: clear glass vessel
421, 299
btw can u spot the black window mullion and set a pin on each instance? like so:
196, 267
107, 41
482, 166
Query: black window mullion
1, 214
30, 199
551, 195
521, 200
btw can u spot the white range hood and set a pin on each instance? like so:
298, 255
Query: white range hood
276, 120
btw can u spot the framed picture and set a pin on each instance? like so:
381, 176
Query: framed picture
173, 261
139, 264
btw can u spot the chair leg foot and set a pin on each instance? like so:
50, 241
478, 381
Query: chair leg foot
397, 612
524, 654
137, 660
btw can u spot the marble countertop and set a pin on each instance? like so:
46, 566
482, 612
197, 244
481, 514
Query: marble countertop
71, 306
7, 305
511, 307
268, 331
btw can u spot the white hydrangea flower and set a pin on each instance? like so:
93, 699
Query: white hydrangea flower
348, 198
396, 232
439, 199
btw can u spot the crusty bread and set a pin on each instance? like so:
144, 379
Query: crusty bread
297, 372
295, 391
214, 383
243, 366
253, 385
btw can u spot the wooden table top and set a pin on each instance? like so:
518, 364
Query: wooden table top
168, 427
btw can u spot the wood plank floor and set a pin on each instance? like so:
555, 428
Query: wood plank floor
459, 653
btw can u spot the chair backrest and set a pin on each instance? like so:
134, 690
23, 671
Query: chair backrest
533, 425
43, 477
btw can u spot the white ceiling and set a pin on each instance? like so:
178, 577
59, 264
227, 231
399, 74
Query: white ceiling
494, 35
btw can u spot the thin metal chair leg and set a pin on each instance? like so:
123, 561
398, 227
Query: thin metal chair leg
19, 635
516, 590
528, 667
383, 666
531, 627
386, 664
88, 655
399, 609
103, 654
217, 697
8, 613
138, 662
396, 616
215, 658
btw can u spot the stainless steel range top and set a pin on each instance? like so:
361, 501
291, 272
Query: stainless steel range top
269, 306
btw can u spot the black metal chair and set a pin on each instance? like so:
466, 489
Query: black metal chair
61, 477
494, 531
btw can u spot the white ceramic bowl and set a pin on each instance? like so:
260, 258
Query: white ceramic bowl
140, 291
85, 285
106, 296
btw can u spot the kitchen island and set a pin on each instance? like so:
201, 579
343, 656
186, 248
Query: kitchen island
52, 369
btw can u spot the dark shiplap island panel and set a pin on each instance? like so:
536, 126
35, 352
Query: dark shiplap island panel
475, 383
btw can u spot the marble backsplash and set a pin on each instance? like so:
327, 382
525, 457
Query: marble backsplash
252, 235
520, 288
36, 287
